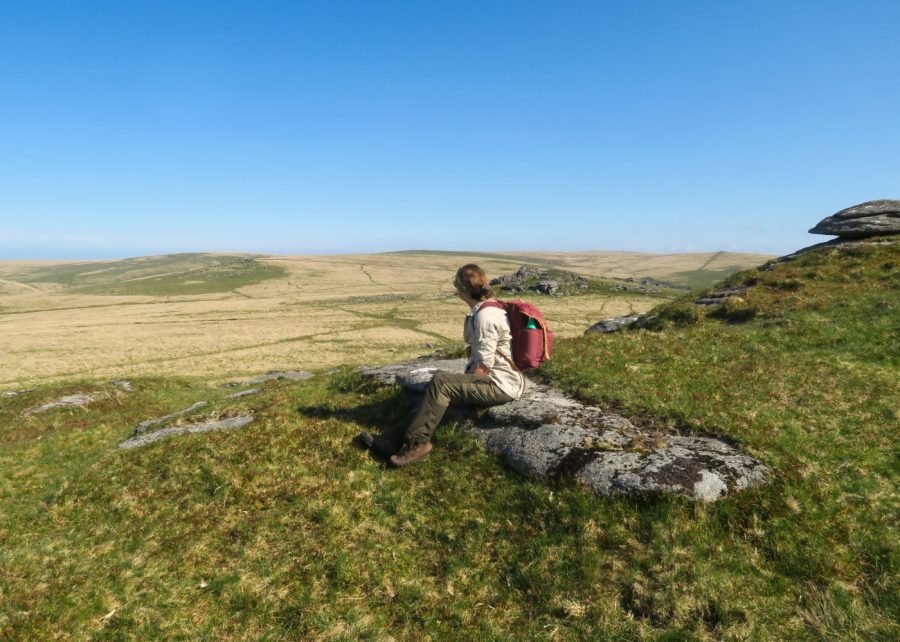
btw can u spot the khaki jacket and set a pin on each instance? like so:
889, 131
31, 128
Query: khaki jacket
487, 332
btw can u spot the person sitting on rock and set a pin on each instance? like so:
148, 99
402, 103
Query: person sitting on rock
491, 377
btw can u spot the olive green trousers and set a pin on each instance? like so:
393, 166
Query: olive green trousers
448, 388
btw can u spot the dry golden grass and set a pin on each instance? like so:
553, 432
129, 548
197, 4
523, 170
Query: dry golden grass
325, 311
657, 266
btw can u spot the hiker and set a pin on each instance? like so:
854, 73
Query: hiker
491, 377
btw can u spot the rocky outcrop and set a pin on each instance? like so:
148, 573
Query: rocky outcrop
69, 401
644, 285
548, 435
150, 437
540, 281
556, 282
871, 218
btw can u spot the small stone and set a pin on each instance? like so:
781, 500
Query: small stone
70, 401
15, 393
124, 384
272, 375
243, 393
276, 375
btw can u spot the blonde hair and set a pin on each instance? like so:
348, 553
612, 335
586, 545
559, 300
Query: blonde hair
472, 281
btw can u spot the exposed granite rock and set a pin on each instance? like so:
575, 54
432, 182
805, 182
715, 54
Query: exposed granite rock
618, 323
156, 435
540, 280
414, 375
548, 435
542, 405
69, 401
860, 221
149, 423
15, 393
124, 384
719, 296
272, 375
701, 467
613, 325
243, 393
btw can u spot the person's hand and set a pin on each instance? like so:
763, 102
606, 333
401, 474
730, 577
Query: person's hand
479, 370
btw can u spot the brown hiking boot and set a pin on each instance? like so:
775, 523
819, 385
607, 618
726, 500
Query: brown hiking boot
410, 453
383, 445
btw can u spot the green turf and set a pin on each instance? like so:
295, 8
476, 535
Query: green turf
284, 531
702, 278
169, 275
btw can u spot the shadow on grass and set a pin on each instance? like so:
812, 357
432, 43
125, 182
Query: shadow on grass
380, 414
386, 417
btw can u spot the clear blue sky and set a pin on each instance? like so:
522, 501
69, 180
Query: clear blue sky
131, 128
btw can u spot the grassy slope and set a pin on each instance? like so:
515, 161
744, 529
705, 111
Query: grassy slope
282, 531
168, 275
811, 386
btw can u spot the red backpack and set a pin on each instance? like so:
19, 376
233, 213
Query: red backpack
531, 346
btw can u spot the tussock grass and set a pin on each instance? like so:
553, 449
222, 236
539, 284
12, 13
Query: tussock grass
284, 531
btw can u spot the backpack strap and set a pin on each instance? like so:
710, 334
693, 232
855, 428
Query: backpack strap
498, 304
491, 304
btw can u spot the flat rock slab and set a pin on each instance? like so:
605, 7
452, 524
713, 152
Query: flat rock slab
548, 435
156, 435
612, 325
69, 401
15, 393
142, 427
618, 323
860, 221
719, 296
414, 375
244, 393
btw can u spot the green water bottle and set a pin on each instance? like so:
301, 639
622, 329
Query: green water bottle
532, 324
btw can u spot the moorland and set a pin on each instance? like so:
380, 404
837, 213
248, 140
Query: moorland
282, 530
226, 315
